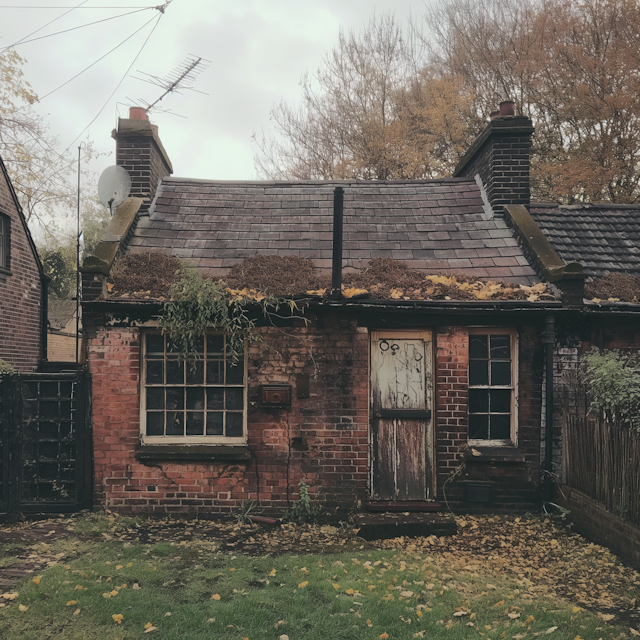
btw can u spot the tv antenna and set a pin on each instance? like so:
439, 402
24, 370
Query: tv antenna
181, 78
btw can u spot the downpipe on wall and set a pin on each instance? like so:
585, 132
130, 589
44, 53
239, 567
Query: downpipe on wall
549, 341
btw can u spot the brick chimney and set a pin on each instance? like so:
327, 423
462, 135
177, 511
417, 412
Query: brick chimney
499, 157
140, 151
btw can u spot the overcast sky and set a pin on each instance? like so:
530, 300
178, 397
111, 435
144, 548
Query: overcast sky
258, 50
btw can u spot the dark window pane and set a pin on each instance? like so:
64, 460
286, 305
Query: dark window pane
195, 372
214, 424
234, 399
478, 426
195, 399
155, 345
215, 345
234, 425
478, 347
175, 398
215, 399
195, 423
478, 400
65, 410
238, 344
214, 372
172, 345
500, 427
155, 398
500, 401
175, 423
500, 347
235, 373
199, 344
48, 409
501, 373
155, 424
175, 372
48, 389
155, 372
478, 372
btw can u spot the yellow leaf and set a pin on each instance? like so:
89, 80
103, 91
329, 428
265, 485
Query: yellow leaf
76, 612
10, 596
110, 287
349, 592
634, 632
514, 616
113, 593
406, 594
66, 566
118, 618
22, 608
71, 603
232, 569
79, 587
352, 291
149, 624
529, 619
215, 596
606, 616
576, 609
302, 585
272, 572
383, 636
419, 613
118, 567
499, 603
316, 292
371, 587
36, 581
336, 585
129, 564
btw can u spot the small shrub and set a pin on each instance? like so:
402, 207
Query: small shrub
302, 511
243, 515
5, 367
612, 379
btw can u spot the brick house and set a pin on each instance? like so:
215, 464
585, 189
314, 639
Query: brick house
374, 401
23, 288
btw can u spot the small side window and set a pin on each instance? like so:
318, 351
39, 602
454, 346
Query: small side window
4, 242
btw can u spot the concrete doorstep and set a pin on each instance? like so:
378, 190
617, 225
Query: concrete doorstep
380, 526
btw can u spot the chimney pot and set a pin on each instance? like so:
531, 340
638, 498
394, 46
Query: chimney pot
507, 108
138, 113
493, 115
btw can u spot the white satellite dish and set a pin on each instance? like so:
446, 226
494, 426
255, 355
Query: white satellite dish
114, 187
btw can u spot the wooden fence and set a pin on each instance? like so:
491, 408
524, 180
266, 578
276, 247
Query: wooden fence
603, 461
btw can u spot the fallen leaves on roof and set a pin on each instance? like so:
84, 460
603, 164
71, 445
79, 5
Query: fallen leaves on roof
149, 276
615, 287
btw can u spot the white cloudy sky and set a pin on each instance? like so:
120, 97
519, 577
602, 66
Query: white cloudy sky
258, 50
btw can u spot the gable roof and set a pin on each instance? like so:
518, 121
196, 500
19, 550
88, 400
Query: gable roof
23, 220
431, 225
604, 238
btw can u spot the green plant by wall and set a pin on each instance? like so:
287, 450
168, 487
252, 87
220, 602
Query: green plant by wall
197, 303
5, 367
302, 511
612, 379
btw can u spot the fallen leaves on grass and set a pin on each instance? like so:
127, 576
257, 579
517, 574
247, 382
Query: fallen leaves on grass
215, 596
118, 618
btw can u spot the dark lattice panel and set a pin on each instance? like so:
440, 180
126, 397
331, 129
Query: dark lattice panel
48, 441
3, 445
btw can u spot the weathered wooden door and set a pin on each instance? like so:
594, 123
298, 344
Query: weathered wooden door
401, 424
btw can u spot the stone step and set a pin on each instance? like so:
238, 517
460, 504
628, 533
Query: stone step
382, 506
380, 526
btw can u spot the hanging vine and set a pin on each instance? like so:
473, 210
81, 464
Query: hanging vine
198, 303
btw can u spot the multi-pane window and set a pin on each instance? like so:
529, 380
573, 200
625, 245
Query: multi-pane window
189, 401
491, 385
4, 242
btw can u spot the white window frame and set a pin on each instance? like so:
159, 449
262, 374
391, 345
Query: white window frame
513, 440
187, 440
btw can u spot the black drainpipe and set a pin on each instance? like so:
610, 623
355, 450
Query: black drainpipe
336, 266
549, 342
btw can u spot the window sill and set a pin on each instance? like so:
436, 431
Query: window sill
5, 273
189, 453
494, 454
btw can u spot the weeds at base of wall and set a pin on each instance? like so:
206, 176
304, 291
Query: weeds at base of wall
302, 511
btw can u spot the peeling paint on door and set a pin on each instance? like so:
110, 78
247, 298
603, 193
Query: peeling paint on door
401, 367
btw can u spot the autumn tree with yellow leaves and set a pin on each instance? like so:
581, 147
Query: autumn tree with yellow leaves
387, 105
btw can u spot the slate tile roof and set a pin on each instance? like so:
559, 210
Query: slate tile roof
604, 238
435, 225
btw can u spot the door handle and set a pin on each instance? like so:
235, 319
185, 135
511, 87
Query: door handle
419, 414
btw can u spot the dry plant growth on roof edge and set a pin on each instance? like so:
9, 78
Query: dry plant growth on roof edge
615, 287
150, 276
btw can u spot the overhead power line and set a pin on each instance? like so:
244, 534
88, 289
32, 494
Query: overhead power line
126, 73
57, 33
46, 25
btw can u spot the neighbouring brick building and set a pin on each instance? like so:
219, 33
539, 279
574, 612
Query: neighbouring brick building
22, 286
369, 400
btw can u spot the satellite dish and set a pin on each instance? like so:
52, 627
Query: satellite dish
114, 187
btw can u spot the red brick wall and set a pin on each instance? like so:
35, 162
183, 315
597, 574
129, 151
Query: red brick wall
20, 294
514, 484
321, 439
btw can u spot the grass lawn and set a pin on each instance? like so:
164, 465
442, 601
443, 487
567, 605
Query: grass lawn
106, 589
